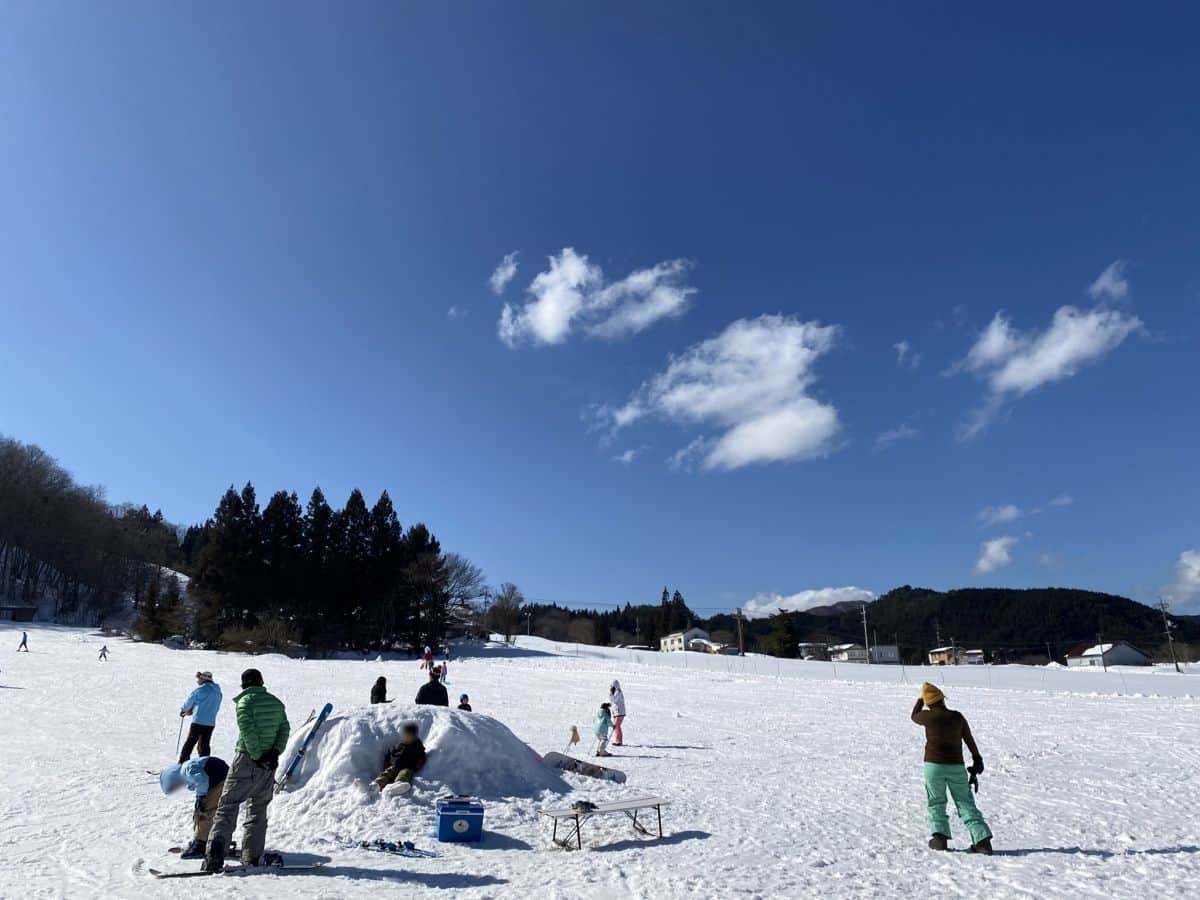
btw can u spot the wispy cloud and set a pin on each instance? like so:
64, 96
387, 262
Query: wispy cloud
763, 605
626, 457
752, 383
572, 294
1012, 363
1184, 591
505, 272
1111, 284
892, 435
457, 312
1009, 512
995, 554
905, 357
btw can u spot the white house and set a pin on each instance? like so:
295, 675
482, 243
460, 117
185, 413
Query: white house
944, 656
682, 640
1118, 654
973, 657
807, 650
848, 653
885, 655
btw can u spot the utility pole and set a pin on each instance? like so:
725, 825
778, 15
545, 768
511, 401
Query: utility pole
1169, 628
865, 638
1100, 647
938, 625
528, 624
741, 638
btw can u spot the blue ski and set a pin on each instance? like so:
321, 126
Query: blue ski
295, 763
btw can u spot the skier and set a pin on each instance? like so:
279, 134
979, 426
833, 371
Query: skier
945, 733
617, 696
464, 703
24, 645
427, 658
402, 762
202, 705
104, 652
603, 726
379, 690
433, 692
262, 735
206, 776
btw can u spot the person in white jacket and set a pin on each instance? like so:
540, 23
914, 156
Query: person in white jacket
617, 698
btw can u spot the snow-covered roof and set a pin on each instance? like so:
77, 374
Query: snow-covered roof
943, 649
1100, 649
848, 647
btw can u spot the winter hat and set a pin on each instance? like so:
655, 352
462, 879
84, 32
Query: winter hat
170, 779
204, 676
606, 706
252, 678
931, 694
463, 698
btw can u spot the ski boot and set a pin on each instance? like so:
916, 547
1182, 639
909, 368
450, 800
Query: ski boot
984, 847
194, 850
939, 842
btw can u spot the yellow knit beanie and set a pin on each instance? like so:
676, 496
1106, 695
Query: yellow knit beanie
931, 694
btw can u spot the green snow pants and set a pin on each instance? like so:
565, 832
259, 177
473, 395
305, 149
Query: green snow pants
939, 778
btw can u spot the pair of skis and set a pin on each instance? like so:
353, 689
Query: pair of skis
296, 760
396, 848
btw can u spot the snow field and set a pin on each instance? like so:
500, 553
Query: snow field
779, 786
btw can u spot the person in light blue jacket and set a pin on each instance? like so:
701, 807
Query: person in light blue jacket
206, 776
202, 705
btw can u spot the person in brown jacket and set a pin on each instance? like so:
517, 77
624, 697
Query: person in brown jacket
945, 732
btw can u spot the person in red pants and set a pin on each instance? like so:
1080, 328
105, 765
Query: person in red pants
617, 698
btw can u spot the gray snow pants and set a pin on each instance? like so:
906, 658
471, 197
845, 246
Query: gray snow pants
250, 784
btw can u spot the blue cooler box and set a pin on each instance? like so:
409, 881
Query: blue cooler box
459, 819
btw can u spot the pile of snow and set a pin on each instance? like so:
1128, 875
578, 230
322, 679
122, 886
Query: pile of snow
468, 753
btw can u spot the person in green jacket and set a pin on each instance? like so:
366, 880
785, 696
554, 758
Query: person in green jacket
262, 735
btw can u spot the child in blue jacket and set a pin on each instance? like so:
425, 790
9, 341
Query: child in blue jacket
603, 727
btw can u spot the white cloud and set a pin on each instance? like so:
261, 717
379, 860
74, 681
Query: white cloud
905, 357
505, 272
457, 312
1061, 500
572, 294
626, 457
996, 515
1012, 364
1111, 283
752, 381
763, 605
1186, 586
995, 554
899, 433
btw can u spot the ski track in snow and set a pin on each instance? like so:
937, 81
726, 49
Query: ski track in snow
779, 786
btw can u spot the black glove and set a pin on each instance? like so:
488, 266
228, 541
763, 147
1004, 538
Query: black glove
976, 767
199, 807
268, 760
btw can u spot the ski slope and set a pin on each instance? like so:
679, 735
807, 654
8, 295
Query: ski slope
785, 779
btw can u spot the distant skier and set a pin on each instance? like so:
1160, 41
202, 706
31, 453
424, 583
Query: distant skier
444, 670
464, 703
104, 652
402, 762
262, 735
433, 692
206, 776
202, 705
427, 658
617, 697
603, 726
24, 645
379, 690
945, 733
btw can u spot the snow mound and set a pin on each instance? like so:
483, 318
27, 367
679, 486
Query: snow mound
468, 753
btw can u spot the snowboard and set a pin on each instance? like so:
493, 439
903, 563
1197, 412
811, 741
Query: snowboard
295, 763
232, 851
591, 770
232, 868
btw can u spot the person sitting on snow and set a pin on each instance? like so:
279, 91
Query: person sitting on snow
464, 703
206, 776
945, 733
402, 762
603, 727
379, 690
433, 692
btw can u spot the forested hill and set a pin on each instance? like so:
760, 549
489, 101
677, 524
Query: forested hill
1010, 623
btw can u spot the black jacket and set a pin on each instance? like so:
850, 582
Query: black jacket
433, 693
379, 692
407, 756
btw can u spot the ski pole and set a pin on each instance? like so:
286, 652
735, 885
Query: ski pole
180, 738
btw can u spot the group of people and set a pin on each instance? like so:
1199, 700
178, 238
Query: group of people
432, 693
24, 646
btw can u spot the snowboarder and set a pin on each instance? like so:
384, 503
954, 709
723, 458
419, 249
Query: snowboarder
202, 704
104, 652
945, 732
617, 697
24, 645
206, 776
433, 692
427, 658
262, 735
379, 690
402, 762
603, 726
464, 703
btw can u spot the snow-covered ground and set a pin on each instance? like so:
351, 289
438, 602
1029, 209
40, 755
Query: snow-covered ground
785, 778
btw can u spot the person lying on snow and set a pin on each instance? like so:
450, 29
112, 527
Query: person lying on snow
402, 763
433, 692
602, 727
945, 733
206, 776
379, 690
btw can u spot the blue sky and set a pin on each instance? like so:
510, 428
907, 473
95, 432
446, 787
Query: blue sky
233, 239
